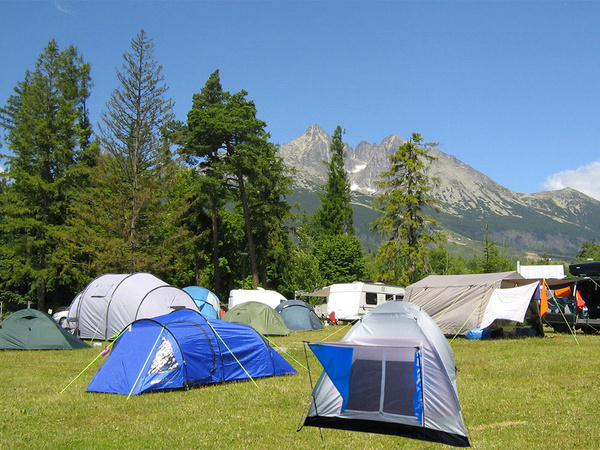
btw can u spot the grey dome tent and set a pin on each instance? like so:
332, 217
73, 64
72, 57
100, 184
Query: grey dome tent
30, 329
259, 316
112, 301
393, 373
299, 316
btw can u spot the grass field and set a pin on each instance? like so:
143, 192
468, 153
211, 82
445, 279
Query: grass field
534, 393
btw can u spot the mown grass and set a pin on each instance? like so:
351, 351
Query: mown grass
515, 393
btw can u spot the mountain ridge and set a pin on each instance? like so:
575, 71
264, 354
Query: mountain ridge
552, 222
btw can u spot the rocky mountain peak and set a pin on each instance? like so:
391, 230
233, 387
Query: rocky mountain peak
468, 199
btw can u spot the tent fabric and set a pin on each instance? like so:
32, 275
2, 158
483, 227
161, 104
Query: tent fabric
268, 297
299, 316
509, 304
457, 303
393, 373
182, 349
30, 329
112, 301
206, 301
259, 316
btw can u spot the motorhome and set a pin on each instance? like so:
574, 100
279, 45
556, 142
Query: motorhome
349, 301
271, 298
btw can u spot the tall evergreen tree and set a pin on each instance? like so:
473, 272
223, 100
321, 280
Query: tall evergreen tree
225, 136
269, 183
405, 226
492, 259
129, 219
202, 143
335, 215
47, 132
589, 250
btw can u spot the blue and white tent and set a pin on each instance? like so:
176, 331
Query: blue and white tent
393, 373
183, 349
206, 301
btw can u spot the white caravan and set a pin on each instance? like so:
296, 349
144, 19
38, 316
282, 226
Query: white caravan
270, 298
350, 301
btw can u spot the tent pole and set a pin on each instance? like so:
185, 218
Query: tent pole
145, 362
572, 330
93, 361
232, 354
312, 399
284, 351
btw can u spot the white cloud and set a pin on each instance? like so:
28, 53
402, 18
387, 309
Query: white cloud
585, 179
62, 8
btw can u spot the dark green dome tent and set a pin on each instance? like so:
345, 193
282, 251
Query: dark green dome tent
30, 329
259, 316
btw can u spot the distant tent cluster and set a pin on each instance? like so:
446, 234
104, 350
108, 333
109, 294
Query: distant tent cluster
392, 373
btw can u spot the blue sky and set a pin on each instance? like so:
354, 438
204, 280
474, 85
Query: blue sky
510, 88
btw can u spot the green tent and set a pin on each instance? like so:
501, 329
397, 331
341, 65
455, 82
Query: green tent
30, 329
259, 316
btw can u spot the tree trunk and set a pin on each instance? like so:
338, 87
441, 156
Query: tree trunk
41, 295
215, 237
249, 235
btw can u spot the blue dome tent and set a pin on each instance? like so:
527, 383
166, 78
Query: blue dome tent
206, 301
183, 349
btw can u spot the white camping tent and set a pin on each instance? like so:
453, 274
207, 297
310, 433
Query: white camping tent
393, 373
112, 301
459, 303
270, 298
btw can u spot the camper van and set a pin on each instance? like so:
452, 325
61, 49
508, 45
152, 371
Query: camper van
349, 301
271, 298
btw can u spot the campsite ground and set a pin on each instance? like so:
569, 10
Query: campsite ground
516, 393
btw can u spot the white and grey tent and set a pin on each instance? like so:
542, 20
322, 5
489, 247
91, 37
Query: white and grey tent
460, 303
112, 301
393, 373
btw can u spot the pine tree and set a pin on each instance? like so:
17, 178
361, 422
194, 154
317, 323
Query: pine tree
48, 132
335, 216
129, 218
225, 138
269, 183
405, 225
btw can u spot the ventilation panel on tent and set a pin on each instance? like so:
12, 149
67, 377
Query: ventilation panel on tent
380, 381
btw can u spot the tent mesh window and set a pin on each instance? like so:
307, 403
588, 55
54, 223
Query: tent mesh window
381, 382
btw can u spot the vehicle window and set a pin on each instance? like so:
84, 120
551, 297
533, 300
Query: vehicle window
371, 298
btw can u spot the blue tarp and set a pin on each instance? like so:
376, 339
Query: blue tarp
182, 349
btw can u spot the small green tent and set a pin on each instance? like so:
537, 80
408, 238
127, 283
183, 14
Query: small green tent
259, 316
30, 329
